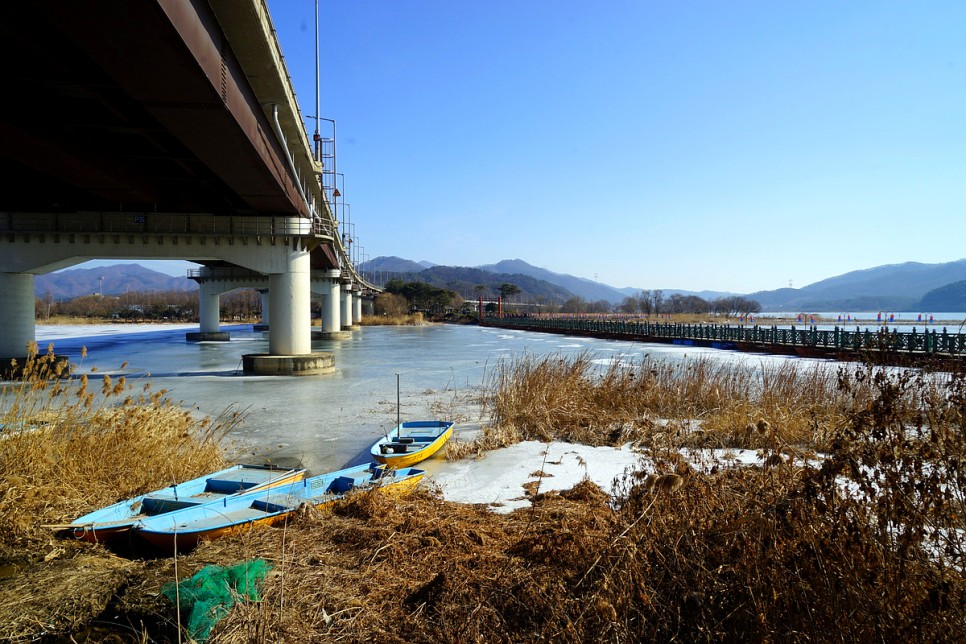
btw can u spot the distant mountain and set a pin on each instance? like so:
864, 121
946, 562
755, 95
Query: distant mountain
585, 288
894, 287
951, 297
589, 290
464, 281
108, 280
394, 265
426, 264
898, 287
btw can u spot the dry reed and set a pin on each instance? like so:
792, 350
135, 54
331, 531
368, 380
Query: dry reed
867, 544
71, 445
412, 319
698, 403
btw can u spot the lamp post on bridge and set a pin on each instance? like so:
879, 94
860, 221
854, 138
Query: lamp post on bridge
351, 230
318, 108
323, 157
346, 220
334, 170
337, 193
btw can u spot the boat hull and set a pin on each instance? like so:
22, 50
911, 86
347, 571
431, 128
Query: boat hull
428, 437
184, 529
112, 524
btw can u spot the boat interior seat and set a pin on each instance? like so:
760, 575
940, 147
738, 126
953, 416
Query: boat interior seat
279, 503
406, 440
343, 484
162, 503
228, 486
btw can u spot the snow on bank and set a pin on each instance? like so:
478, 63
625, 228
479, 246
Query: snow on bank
498, 478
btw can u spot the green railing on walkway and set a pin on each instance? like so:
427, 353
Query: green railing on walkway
929, 342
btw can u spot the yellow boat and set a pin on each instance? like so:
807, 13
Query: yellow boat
411, 442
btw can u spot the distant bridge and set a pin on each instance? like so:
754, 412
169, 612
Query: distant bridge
167, 129
890, 347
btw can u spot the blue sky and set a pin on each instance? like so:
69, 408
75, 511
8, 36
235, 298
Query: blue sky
731, 146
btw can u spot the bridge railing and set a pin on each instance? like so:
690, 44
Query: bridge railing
163, 223
915, 341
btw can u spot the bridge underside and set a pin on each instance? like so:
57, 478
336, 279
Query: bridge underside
132, 106
130, 130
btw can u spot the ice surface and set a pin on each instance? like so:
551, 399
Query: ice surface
329, 422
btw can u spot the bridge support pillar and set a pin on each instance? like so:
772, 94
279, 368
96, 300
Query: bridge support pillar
266, 301
357, 308
290, 308
330, 290
290, 335
17, 313
347, 308
209, 316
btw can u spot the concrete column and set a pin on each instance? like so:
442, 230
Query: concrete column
290, 333
209, 304
209, 315
357, 311
368, 306
266, 301
17, 313
330, 308
346, 306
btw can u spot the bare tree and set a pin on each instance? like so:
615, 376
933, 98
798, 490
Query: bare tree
600, 306
575, 304
647, 306
630, 304
391, 305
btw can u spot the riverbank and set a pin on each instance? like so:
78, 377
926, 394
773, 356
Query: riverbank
715, 490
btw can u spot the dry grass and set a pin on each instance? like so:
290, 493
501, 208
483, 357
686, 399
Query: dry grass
72, 320
782, 552
739, 555
61, 595
413, 319
71, 445
76, 444
699, 403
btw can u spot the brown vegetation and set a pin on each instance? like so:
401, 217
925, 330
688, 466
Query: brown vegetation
863, 544
700, 403
411, 319
77, 444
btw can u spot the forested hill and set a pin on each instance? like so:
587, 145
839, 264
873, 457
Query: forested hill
465, 280
951, 297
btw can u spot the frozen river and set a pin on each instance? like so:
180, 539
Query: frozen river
329, 421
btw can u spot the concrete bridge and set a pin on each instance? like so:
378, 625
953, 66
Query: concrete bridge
168, 129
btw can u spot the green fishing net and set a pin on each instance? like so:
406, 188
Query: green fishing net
209, 594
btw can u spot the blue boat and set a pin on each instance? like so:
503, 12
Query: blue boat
185, 528
109, 524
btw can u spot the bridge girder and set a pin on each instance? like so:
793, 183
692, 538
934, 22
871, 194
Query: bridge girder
133, 106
